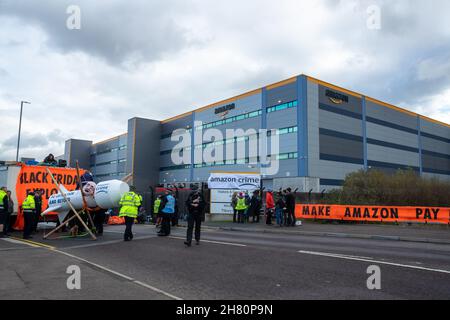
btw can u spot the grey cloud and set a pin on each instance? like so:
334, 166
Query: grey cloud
117, 31
33, 140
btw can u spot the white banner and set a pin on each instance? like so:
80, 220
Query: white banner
237, 181
224, 195
221, 208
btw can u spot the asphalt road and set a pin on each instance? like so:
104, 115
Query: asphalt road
227, 265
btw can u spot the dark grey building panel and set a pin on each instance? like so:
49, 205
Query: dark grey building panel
434, 145
181, 123
340, 148
282, 94
78, 150
144, 137
350, 104
436, 163
378, 111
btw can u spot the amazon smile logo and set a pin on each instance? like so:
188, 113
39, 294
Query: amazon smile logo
336, 98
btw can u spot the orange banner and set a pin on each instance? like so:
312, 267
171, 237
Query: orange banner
373, 213
32, 178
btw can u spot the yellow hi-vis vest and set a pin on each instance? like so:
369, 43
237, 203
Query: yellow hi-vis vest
129, 205
3, 194
28, 204
156, 206
241, 205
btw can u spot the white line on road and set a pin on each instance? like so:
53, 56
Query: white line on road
215, 242
118, 274
346, 257
142, 284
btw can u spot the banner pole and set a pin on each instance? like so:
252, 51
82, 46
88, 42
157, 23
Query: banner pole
70, 205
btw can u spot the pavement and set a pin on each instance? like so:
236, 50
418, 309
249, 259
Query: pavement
226, 265
402, 232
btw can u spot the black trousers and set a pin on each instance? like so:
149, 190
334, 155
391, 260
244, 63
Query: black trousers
269, 216
291, 214
128, 235
234, 215
241, 216
255, 215
99, 220
37, 214
7, 222
174, 220
28, 217
165, 225
194, 219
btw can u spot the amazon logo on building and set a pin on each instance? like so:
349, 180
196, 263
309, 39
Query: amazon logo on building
336, 98
223, 111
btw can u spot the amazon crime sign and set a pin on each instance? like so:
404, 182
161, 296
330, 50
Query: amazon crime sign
374, 213
235, 181
32, 178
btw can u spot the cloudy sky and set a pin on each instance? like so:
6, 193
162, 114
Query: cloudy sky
156, 59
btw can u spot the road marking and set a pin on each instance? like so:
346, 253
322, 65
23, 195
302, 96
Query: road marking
215, 242
346, 257
142, 284
10, 240
33, 243
118, 274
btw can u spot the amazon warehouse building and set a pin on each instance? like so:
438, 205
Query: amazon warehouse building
325, 132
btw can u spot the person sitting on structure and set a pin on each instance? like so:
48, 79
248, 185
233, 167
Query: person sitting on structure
50, 160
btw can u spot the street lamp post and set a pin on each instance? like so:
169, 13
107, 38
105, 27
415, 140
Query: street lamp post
20, 127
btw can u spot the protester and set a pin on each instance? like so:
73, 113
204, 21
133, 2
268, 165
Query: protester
99, 220
290, 205
234, 199
175, 217
4, 212
28, 207
168, 209
9, 217
84, 179
280, 208
270, 206
195, 205
241, 207
255, 207
50, 160
38, 209
247, 202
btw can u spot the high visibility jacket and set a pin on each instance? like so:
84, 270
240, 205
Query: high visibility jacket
170, 205
29, 204
129, 204
3, 194
156, 206
241, 204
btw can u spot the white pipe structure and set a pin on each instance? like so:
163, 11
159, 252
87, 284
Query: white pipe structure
105, 195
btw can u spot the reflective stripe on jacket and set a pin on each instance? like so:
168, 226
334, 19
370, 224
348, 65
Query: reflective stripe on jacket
241, 204
156, 205
29, 204
129, 204
3, 194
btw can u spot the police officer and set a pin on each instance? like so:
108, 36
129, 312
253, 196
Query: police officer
241, 207
168, 211
195, 205
28, 207
156, 207
129, 204
4, 212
